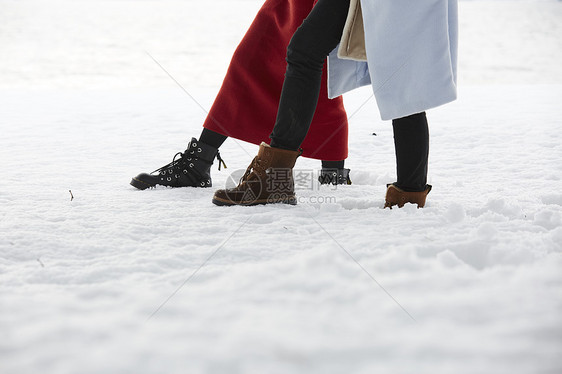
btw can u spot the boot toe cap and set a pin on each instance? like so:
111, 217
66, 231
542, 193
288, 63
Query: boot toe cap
225, 197
143, 181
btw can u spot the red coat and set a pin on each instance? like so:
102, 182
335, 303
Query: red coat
246, 106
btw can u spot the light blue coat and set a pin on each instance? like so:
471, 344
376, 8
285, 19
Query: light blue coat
411, 53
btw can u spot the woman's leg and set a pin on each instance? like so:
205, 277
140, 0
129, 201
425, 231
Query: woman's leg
333, 164
319, 34
411, 141
212, 138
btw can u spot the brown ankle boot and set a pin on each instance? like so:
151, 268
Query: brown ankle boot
397, 196
268, 179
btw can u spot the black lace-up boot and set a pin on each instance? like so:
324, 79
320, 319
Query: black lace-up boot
192, 168
334, 176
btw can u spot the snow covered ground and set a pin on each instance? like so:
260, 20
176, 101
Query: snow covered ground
162, 281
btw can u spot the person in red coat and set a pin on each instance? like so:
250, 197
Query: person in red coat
246, 106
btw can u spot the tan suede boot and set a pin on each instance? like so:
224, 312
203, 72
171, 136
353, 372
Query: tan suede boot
268, 179
397, 196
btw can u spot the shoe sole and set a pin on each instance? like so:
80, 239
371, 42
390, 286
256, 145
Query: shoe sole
222, 202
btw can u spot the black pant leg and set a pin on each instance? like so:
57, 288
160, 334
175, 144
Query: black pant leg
319, 34
214, 139
411, 141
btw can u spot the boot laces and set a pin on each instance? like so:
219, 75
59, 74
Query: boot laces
179, 162
220, 160
255, 164
174, 166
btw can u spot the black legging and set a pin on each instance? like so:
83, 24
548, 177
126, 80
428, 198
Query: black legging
411, 144
318, 35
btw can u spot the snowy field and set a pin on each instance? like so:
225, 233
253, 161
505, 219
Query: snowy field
118, 280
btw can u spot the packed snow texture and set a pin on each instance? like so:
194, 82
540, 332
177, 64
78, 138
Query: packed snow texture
116, 280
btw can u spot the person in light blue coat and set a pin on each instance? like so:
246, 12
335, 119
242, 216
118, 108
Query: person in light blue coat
405, 49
